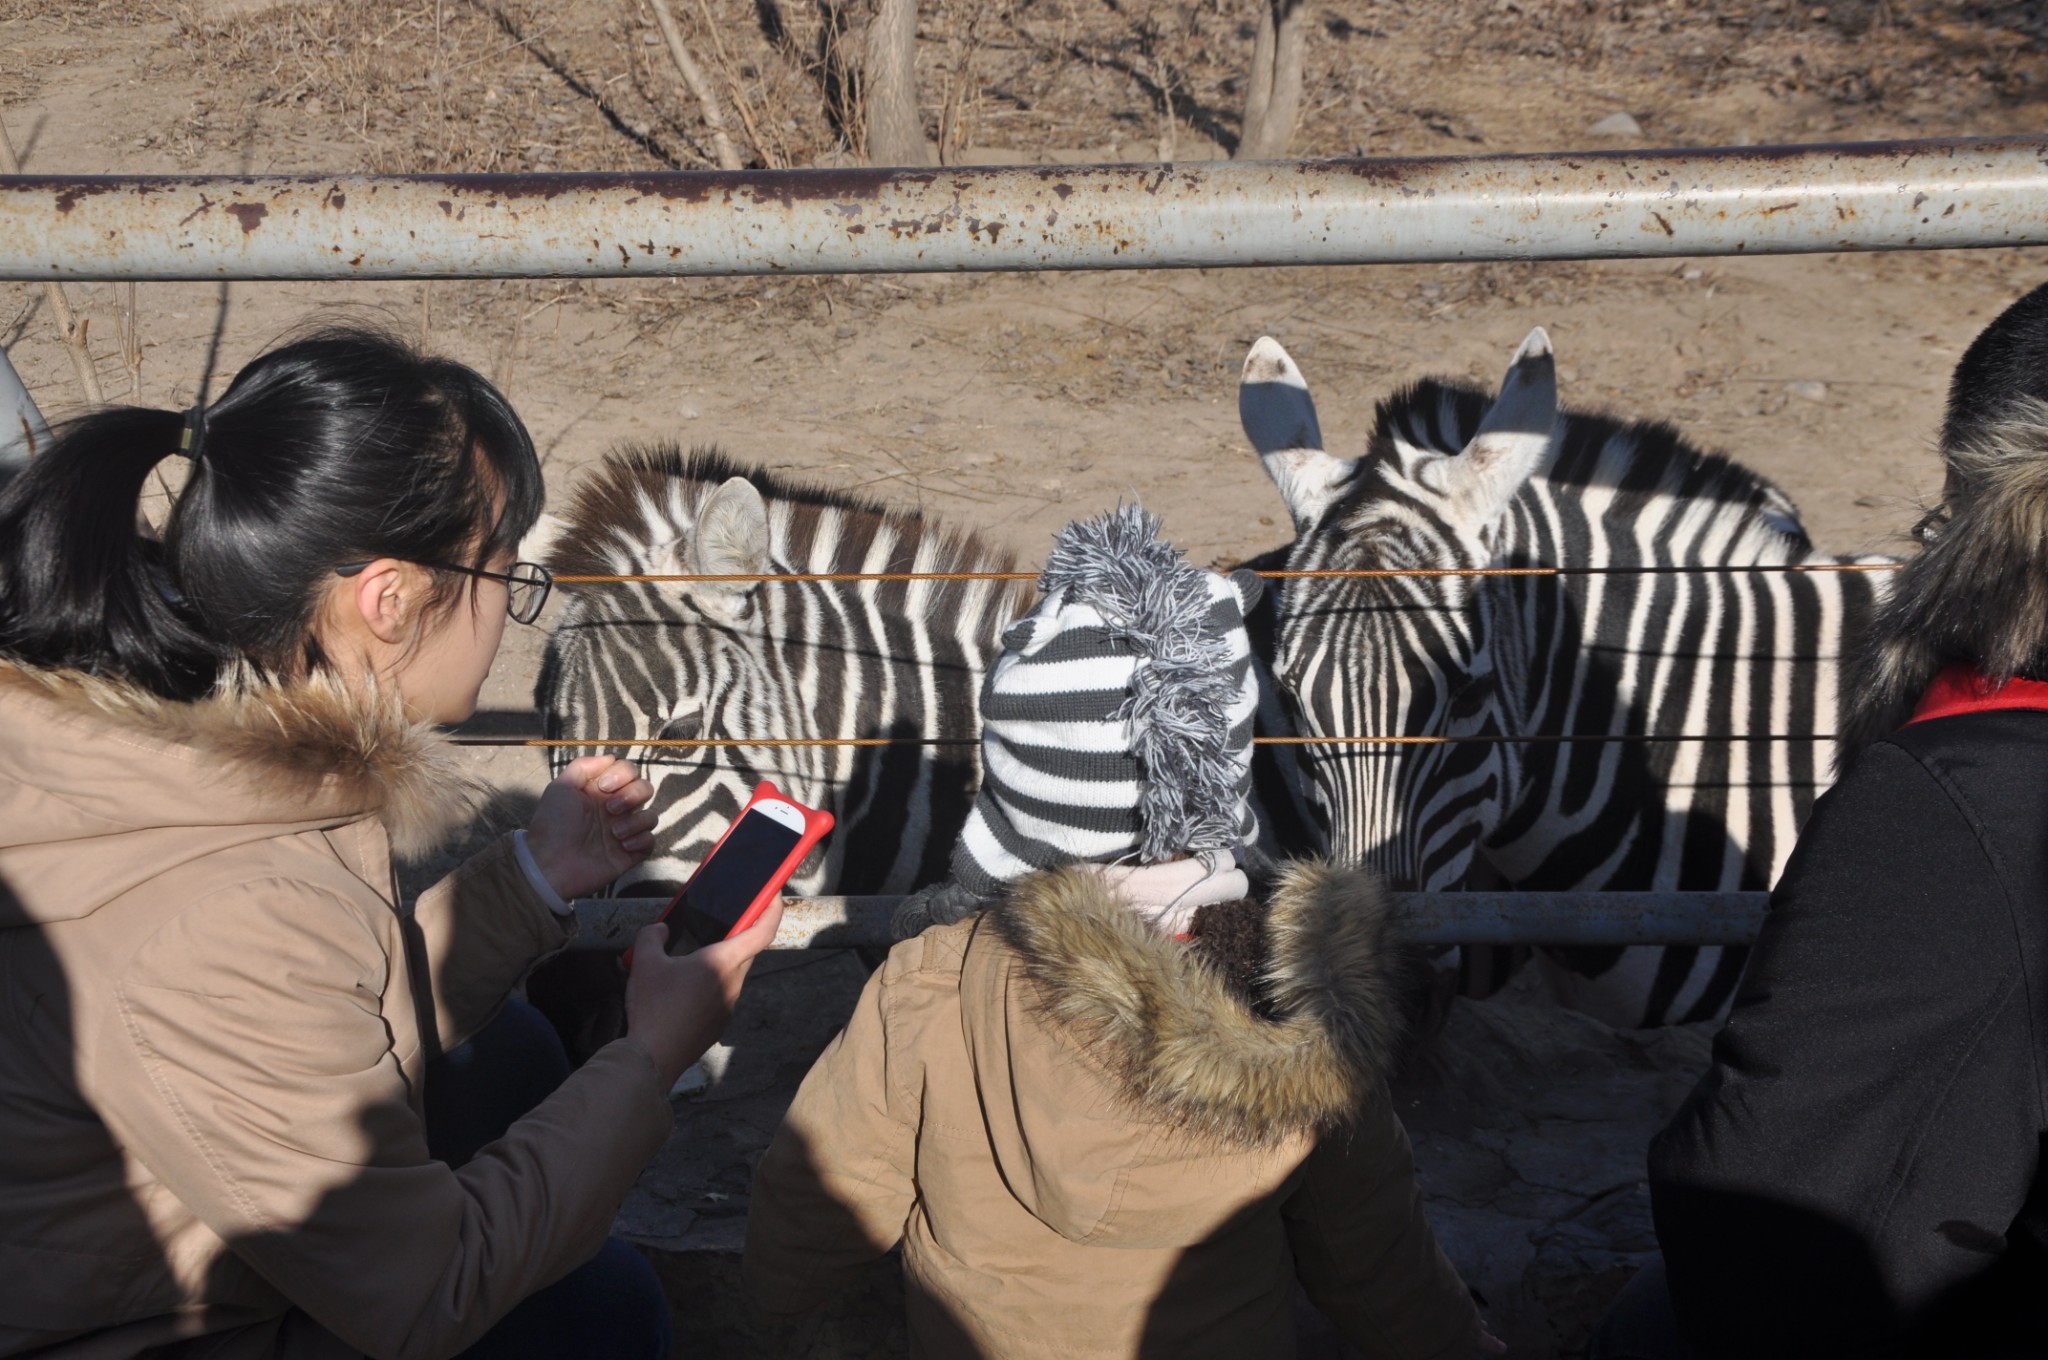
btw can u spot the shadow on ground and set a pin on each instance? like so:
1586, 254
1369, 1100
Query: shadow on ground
1530, 1126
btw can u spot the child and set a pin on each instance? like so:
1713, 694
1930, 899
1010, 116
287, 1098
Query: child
1122, 1106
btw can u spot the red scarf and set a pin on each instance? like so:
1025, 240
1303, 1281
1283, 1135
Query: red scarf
1960, 689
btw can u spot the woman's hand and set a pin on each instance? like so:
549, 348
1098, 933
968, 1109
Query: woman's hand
678, 1007
592, 824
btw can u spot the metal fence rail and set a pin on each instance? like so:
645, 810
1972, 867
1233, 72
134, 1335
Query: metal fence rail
1559, 918
1583, 205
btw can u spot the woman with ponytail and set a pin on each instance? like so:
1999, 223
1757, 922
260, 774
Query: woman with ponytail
250, 1105
1861, 1171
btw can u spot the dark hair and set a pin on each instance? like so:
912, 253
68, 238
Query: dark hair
340, 446
2006, 364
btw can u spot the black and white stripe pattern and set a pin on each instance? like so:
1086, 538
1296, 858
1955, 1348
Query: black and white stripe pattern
777, 659
1118, 720
1453, 478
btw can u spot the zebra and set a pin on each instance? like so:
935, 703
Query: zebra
1455, 479
803, 659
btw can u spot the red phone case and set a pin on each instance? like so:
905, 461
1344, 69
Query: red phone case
816, 824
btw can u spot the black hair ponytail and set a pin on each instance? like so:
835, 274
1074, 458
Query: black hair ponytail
343, 446
80, 587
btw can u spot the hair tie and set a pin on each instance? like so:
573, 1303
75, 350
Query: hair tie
191, 441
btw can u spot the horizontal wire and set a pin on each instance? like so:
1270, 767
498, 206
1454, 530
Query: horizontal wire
1355, 572
744, 578
1546, 739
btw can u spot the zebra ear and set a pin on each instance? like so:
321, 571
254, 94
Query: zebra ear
1512, 439
730, 539
1279, 417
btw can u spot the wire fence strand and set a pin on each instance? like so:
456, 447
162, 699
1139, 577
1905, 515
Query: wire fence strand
1545, 739
1491, 739
751, 578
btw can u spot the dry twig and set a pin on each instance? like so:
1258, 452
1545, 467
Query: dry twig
68, 323
128, 321
700, 88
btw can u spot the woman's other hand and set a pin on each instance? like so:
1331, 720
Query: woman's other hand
593, 824
678, 1006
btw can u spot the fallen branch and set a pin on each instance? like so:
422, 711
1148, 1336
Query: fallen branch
706, 96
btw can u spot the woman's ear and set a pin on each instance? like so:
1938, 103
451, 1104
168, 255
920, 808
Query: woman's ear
384, 599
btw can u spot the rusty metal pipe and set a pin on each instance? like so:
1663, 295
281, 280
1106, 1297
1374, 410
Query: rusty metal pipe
1555, 918
1588, 205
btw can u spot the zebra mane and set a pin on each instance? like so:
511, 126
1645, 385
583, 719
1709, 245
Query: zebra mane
643, 497
1638, 457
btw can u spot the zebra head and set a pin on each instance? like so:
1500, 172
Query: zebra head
671, 660
1399, 656
734, 662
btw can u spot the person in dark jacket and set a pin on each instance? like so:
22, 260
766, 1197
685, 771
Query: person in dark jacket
1860, 1172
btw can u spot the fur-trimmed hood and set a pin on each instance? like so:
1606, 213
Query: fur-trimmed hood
1092, 1144
103, 784
1977, 593
1128, 1094
1179, 1042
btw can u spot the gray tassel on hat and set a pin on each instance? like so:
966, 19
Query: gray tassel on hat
1117, 723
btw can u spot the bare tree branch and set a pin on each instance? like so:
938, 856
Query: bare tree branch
700, 88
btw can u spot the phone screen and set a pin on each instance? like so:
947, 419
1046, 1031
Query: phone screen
727, 883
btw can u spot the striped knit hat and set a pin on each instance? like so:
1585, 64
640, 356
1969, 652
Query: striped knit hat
1117, 724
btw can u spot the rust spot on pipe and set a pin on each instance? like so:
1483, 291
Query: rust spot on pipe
1777, 208
447, 208
205, 204
1662, 223
1064, 190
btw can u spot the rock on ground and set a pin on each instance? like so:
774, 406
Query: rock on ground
1529, 1124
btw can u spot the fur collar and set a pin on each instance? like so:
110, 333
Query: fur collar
312, 744
1175, 1034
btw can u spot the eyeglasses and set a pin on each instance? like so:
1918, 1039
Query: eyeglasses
526, 585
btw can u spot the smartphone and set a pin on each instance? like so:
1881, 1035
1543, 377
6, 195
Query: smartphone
744, 871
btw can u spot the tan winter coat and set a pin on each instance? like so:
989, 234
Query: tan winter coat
1091, 1147
214, 1019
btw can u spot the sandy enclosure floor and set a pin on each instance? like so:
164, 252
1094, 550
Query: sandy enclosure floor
1011, 404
